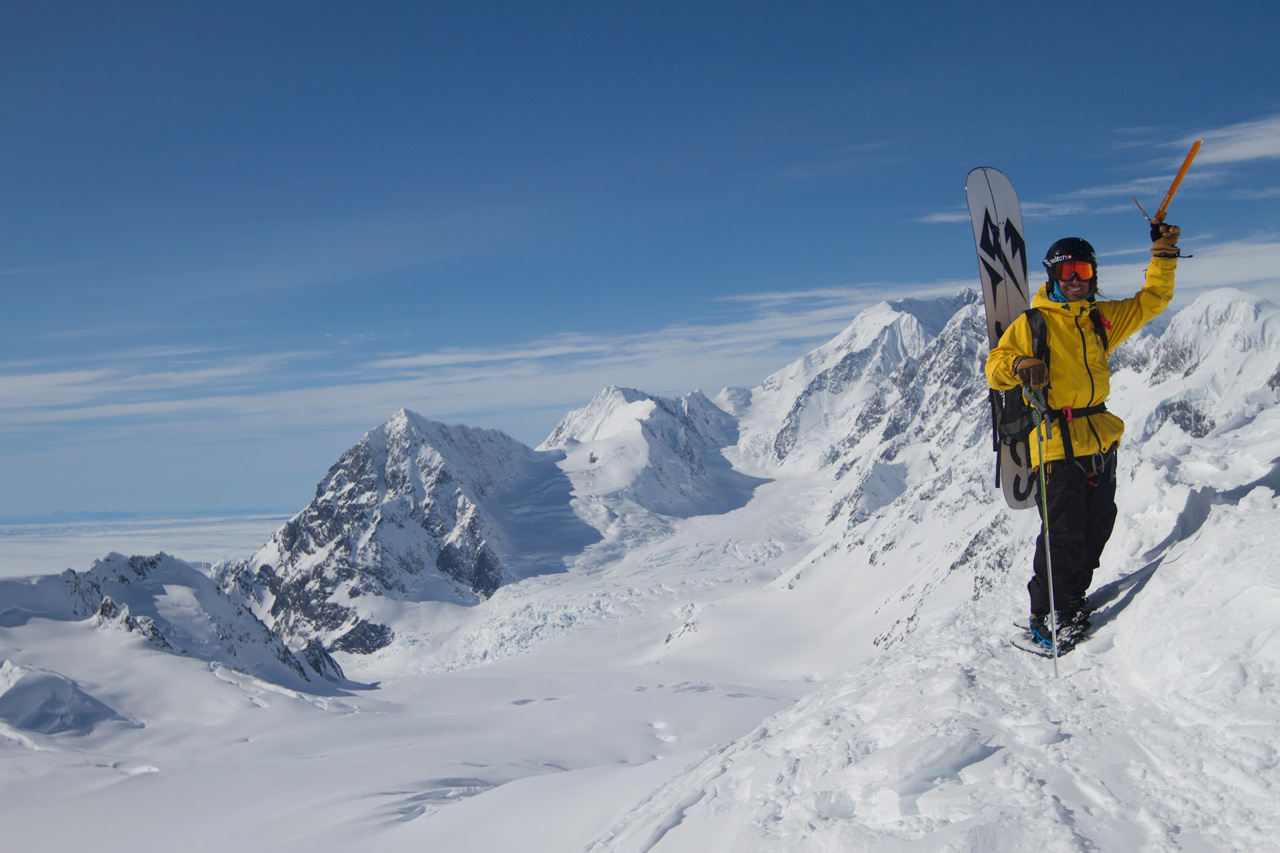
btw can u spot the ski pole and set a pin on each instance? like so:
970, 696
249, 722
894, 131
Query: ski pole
1173, 188
1036, 405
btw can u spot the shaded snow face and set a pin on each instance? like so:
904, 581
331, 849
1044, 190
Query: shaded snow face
37, 700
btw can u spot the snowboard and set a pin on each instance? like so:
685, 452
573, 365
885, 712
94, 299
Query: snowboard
996, 217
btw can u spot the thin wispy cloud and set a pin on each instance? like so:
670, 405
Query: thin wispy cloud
254, 392
1067, 206
563, 371
48, 390
124, 383
1256, 194
853, 297
1239, 143
1136, 186
457, 356
950, 217
1234, 144
238, 393
839, 163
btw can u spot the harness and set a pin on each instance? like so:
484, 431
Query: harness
1064, 417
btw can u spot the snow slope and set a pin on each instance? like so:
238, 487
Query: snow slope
1160, 734
782, 625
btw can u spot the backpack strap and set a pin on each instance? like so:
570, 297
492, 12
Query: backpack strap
1011, 421
1101, 325
1039, 334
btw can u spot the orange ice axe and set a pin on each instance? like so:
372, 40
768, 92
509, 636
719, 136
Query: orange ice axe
1173, 188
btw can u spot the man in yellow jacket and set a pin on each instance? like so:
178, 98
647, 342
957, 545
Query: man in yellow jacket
1080, 450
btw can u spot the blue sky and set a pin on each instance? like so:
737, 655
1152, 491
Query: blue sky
236, 236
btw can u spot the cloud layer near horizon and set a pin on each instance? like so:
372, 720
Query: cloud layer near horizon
259, 392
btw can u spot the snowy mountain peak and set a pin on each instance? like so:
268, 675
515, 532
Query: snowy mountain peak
416, 511
175, 608
916, 319
934, 314
420, 511
1216, 364
794, 412
403, 514
483, 458
613, 411
1228, 323
654, 454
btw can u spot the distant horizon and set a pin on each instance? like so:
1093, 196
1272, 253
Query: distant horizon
35, 548
63, 517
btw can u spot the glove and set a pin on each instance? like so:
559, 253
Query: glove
1032, 372
1164, 240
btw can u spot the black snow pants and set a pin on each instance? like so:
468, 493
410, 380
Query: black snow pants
1081, 496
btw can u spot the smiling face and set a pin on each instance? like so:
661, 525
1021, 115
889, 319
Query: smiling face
1073, 278
1074, 290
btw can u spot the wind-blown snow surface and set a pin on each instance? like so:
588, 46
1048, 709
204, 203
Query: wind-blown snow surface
781, 624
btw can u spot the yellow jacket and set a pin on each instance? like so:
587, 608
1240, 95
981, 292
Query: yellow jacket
1079, 373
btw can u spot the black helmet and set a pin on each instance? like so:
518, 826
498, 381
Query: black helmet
1072, 249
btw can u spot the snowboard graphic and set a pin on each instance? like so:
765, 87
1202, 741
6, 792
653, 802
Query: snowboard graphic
1002, 262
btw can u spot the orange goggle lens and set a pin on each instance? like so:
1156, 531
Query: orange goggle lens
1067, 270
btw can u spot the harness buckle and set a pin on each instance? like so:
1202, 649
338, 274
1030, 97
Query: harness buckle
1068, 413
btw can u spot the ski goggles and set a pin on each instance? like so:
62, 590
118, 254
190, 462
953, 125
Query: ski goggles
1067, 270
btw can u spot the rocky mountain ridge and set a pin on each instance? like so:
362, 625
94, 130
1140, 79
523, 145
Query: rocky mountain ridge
892, 410
176, 609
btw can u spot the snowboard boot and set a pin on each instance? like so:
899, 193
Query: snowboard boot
1041, 632
1075, 618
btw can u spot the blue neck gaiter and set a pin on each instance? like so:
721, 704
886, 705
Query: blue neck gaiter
1055, 292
